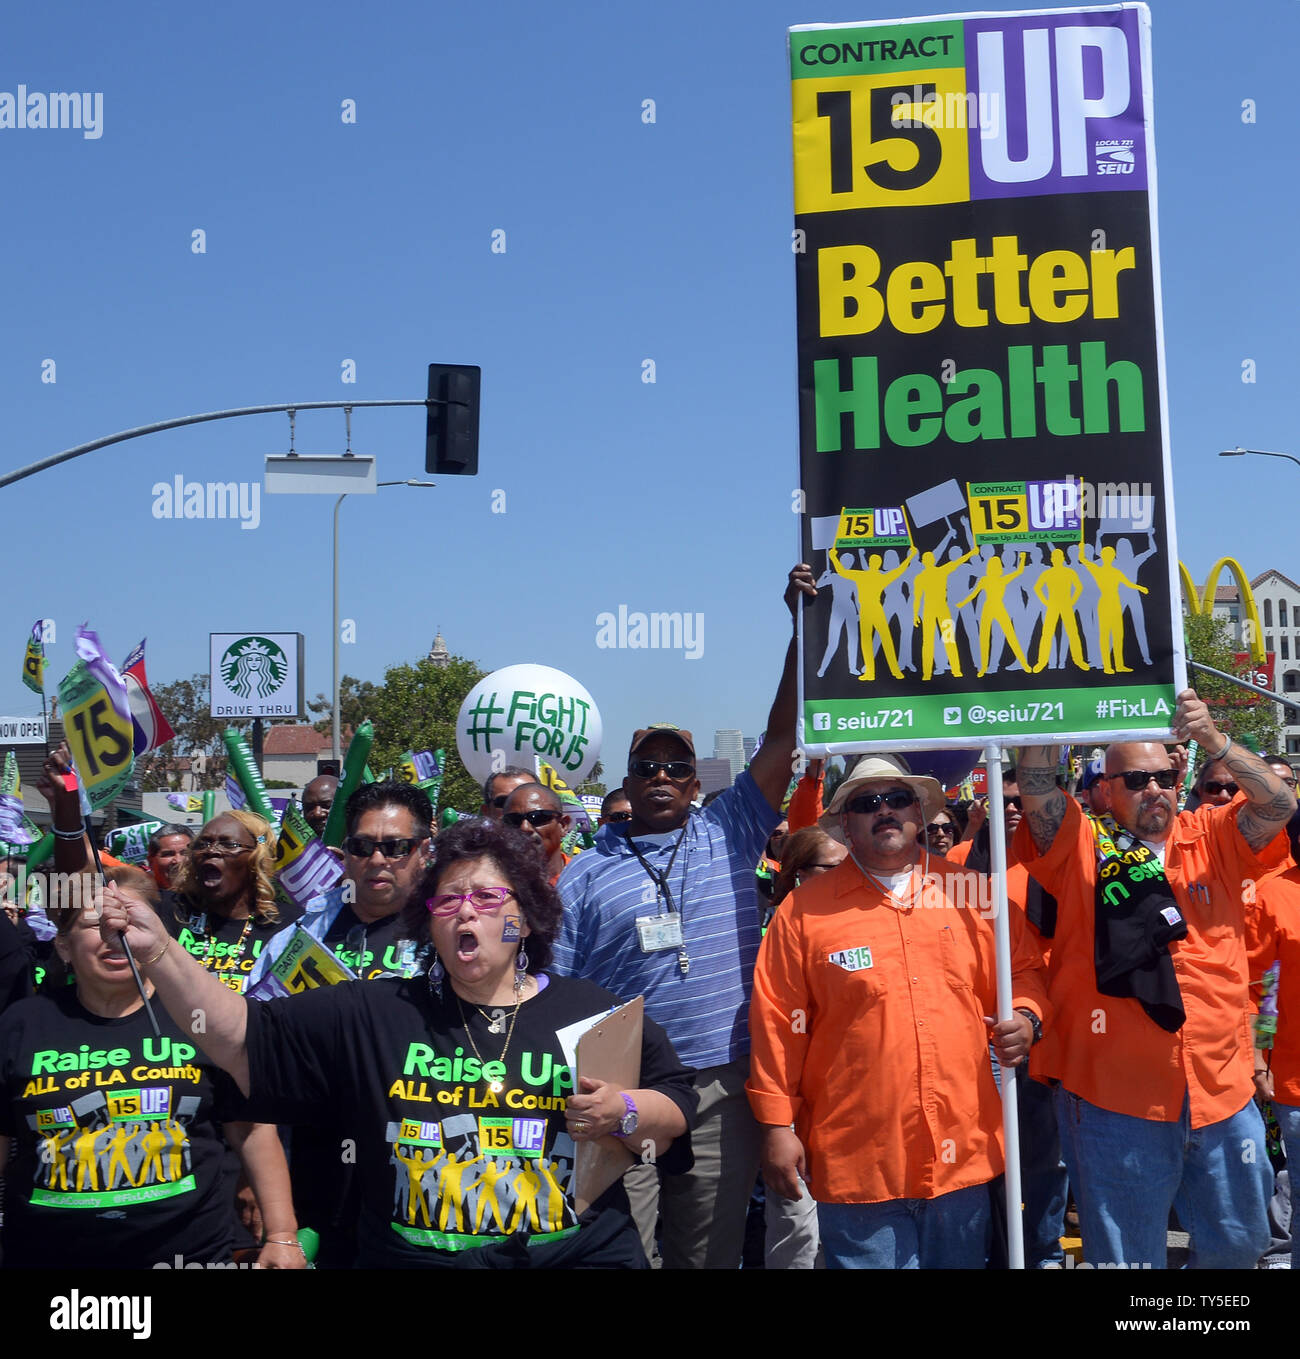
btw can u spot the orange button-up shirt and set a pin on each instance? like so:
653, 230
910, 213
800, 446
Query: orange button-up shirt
1104, 1048
1273, 934
868, 1033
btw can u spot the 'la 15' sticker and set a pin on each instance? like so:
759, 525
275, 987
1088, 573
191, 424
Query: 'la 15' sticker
851, 959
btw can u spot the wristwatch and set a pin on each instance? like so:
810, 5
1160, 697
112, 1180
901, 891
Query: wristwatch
1036, 1023
627, 1124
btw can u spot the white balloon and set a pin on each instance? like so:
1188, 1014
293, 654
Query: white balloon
523, 713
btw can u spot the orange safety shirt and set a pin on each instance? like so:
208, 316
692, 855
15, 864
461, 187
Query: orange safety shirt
868, 1031
1273, 934
1104, 1048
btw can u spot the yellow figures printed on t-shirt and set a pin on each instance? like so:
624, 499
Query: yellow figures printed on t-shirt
417, 1164
118, 1143
154, 1142
493, 1171
1058, 589
527, 1186
179, 1145
1110, 609
931, 612
451, 1193
555, 1199
52, 1153
87, 1162
993, 584
871, 586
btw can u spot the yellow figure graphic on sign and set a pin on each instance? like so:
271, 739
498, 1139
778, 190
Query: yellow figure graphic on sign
420, 1161
118, 1143
994, 584
930, 593
451, 1193
527, 1185
871, 586
487, 1194
52, 1153
1059, 588
87, 1165
1110, 609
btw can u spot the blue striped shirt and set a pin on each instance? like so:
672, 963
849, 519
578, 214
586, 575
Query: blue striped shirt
605, 889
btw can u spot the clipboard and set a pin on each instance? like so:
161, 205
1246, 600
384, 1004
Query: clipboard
609, 1051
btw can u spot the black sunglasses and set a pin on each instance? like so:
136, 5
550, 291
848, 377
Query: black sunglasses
499, 802
1013, 802
619, 816
543, 816
896, 800
363, 846
677, 770
1214, 786
940, 828
1135, 780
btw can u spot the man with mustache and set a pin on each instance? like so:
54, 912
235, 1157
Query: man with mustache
666, 906
1151, 1053
874, 1002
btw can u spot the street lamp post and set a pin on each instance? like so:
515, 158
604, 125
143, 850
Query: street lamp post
1259, 452
336, 745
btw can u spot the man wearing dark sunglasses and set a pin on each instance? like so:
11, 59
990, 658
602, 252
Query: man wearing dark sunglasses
614, 808
1154, 1073
363, 922
666, 906
498, 787
537, 810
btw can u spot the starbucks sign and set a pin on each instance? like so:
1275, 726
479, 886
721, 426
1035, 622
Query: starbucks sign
256, 674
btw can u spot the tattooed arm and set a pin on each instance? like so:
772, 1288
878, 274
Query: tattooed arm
1044, 803
1269, 802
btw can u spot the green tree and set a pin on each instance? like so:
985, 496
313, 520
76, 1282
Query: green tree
185, 704
356, 698
1245, 717
415, 708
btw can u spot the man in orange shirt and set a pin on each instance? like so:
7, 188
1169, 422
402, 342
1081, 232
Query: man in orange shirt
870, 1021
1151, 1044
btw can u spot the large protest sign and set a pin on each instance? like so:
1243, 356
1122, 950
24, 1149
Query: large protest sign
986, 488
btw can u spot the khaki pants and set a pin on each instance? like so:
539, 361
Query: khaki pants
704, 1210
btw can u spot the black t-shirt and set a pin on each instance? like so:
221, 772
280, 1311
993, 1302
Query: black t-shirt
226, 947
116, 1159
386, 952
452, 1174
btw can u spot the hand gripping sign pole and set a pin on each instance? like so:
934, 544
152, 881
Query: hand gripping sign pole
1002, 951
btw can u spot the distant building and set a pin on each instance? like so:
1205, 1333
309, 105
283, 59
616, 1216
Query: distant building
730, 745
289, 753
750, 743
1277, 600
713, 775
438, 653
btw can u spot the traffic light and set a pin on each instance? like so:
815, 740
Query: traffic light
451, 431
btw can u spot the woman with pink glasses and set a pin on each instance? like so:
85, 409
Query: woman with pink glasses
455, 1086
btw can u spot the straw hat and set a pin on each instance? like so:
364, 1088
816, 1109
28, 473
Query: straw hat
891, 767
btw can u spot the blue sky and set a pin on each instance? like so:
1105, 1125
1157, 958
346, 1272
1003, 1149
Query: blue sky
625, 241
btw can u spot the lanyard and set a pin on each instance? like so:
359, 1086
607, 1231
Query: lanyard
659, 879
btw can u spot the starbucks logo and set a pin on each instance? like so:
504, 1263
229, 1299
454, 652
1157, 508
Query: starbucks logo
254, 667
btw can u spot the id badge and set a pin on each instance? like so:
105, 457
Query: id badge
659, 932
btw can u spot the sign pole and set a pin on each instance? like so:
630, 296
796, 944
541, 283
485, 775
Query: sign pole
1002, 948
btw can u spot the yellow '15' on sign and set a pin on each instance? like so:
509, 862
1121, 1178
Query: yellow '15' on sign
863, 142
100, 738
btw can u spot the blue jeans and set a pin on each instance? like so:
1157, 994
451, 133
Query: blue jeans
1044, 1185
1288, 1117
1129, 1172
948, 1232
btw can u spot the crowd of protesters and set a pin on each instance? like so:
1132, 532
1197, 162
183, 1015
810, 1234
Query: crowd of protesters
822, 1033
